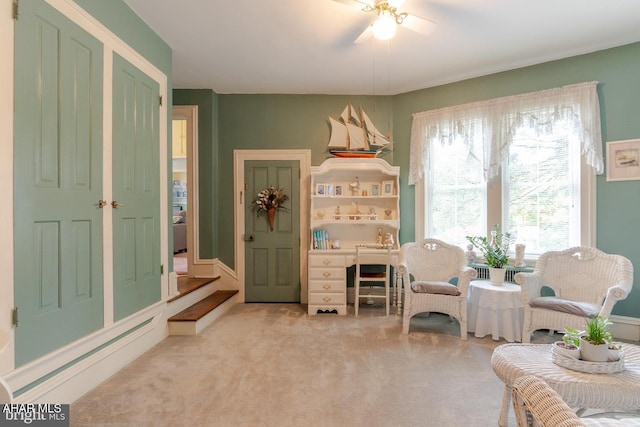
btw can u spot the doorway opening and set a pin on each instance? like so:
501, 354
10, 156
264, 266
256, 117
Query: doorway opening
184, 194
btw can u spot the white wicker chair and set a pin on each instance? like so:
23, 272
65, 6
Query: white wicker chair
581, 278
537, 404
426, 268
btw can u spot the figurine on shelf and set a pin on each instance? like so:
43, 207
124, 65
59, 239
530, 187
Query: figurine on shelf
354, 186
470, 254
387, 213
354, 212
388, 240
320, 213
337, 213
379, 236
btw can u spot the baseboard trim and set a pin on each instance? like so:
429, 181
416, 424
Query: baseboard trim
117, 351
626, 328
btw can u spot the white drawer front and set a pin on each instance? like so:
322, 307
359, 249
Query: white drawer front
327, 299
321, 260
326, 286
327, 274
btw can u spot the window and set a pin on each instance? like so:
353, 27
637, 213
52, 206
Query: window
524, 168
456, 193
541, 190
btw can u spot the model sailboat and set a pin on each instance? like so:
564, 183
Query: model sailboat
354, 136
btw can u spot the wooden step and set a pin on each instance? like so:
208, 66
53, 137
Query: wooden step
193, 319
186, 285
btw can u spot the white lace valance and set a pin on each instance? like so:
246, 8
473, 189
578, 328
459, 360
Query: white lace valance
494, 122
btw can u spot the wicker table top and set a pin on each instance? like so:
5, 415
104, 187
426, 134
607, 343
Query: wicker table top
619, 391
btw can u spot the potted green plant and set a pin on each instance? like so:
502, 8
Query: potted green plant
494, 251
570, 344
594, 344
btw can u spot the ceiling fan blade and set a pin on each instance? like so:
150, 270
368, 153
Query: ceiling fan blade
366, 35
358, 4
419, 25
395, 3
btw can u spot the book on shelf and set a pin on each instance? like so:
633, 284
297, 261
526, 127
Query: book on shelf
320, 239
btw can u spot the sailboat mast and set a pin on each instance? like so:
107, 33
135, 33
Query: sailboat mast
364, 129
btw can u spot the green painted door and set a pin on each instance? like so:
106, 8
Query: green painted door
272, 257
58, 181
136, 193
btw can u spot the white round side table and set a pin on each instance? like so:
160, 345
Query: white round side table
495, 310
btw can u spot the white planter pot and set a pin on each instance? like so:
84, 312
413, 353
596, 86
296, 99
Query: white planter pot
496, 275
559, 348
594, 353
614, 352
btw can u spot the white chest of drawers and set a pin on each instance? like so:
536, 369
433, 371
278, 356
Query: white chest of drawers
327, 283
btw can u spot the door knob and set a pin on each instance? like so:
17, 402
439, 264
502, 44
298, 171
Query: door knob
102, 204
116, 205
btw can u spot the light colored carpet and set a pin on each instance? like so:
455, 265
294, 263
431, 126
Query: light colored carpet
272, 365
180, 263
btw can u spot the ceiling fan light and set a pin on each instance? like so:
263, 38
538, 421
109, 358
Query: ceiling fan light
385, 27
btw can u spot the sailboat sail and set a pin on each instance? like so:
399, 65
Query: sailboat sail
352, 136
347, 115
339, 135
376, 138
357, 138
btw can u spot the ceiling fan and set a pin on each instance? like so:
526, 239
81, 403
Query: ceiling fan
388, 18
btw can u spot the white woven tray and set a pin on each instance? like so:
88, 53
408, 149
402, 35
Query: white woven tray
588, 367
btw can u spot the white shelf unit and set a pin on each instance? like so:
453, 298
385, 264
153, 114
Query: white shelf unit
378, 211
335, 213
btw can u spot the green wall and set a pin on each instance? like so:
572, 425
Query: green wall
207, 102
280, 122
300, 121
124, 23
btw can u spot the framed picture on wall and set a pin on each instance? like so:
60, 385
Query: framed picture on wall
387, 188
623, 160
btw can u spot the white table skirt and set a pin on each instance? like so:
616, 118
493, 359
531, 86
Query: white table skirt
495, 310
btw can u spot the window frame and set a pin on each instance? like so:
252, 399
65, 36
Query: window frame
494, 198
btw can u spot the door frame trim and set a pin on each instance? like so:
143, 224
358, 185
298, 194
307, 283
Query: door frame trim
239, 199
197, 266
6, 187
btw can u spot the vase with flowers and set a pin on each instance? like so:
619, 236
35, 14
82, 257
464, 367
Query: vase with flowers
269, 200
494, 251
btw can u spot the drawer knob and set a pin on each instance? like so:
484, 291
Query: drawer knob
326, 299
327, 286
326, 274
326, 262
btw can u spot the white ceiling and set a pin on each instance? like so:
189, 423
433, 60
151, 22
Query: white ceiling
306, 46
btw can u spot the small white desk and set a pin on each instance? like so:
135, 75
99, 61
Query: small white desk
495, 310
